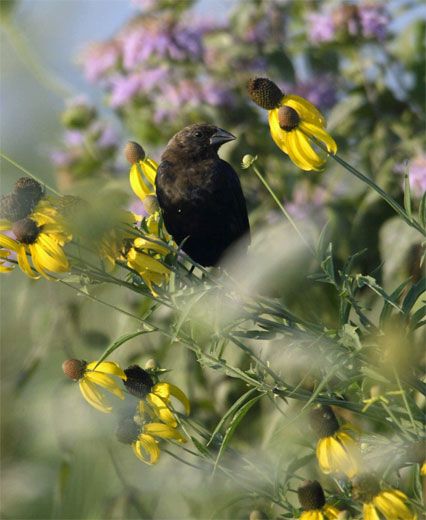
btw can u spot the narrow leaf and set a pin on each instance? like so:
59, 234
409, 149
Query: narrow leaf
407, 196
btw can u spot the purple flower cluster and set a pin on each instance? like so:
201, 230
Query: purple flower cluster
307, 202
367, 20
320, 91
99, 58
417, 175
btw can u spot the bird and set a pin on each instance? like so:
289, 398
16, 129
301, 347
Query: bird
200, 195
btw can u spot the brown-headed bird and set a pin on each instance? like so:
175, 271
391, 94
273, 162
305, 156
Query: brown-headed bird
200, 195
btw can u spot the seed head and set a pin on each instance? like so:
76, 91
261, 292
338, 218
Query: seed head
139, 383
11, 208
26, 231
134, 152
150, 203
127, 431
364, 487
311, 495
74, 368
29, 188
323, 421
265, 93
288, 118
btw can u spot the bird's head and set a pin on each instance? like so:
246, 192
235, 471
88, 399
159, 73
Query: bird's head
198, 141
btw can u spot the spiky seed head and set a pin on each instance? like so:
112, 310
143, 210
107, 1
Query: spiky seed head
311, 496
12, 208
323, 421
26, 231
127, 431
74, 368
265, 93
139, 383
134, 152
29, 188
365, 487
288, 118
150, 203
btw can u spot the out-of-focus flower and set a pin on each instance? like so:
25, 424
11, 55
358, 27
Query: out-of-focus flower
307, 202
41, 233
295, 124
157, 395
312, 499
144, 437
123, 89
391, 503
320, 91
142, 171
321, 27
374, 20
99, 58
417, 175
337, 451
94, 374
78, 114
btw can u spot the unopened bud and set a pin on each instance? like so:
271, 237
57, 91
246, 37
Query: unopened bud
265, 93
134, 152
248, 160
74, 368
78, 117
151, 364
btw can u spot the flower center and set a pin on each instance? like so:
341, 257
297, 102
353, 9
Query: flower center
26, 231
311, 495
127, 431
265, 93
323, 421
139, 383
288, 118
134, 152
74, 368
365, 487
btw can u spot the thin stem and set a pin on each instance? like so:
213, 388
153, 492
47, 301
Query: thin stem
282, 208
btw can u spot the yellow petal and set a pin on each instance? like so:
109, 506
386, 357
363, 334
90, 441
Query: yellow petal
146, 243
331, 512
306, 110
166, 389
161, 410
105, 381
24, 264
146, 449
392, 505
323, 457
307, 151
5, 224
163, 431
107, 367
137, 182
423, 470
143, 262
55, 264
149, 168
93, 396
342, 459
320, 134
295, 154
9, 243
36, 261
278, 134
314, 514
369, 512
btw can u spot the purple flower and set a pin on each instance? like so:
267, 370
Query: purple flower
321, 27
123, 89
374, 20
320, 91
136, 206
107, 136
215, 95
74, 138
307, 202
61, 158
144, 5
417, 176
98, 59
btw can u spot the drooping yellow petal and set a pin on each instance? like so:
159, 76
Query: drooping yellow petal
391, 504
342, 459
107, 367
165, 390
295, 154
146, 449
93, 396
315, 514
320, 134
146, 243
278, 135
161, 409
137, 182
149, 168
55, 264
323, 455
24, 264
105, 381
4, 255
369, 512
423, 470
9, 243
163, 431
305, 110
5, 225
307, 152
35, 257
143, 262
331, 512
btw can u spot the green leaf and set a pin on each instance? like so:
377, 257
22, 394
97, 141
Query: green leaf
422, 210
415, 320
413, 295
407, 196
394, 296
119, 342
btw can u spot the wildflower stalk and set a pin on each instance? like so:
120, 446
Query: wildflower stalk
281, 206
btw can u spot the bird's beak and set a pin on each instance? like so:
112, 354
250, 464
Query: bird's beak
221, 136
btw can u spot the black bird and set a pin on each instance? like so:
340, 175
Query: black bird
200, 195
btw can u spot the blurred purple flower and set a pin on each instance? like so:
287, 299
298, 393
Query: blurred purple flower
374, 20
136, 206
257, 32
61, 158
307, 202
73, 138
98, 59
108, 137
123, 89
144, 4
321, 27
320, 91
417, 175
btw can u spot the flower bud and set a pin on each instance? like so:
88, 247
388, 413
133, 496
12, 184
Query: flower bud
323, 421
311, 496
26, 231
78, 117
265, 93
151, 364
139, 383
288, 118
127, 431
134, 152
248, 160
74, 368
150, 203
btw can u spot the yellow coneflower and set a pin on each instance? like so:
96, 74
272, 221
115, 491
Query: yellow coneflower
91, 375
144, 437
140, 384
312, 499
296, 125
391, 503
142, 172
337, 451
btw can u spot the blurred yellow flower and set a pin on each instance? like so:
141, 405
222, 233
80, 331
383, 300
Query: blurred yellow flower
140, 384
4, 255
42, 235
337, 451
312, 499
91, 375
296, 124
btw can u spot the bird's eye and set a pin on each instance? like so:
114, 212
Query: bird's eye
198, 134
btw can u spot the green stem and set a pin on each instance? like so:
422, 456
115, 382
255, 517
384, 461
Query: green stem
392, 203
282, 208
